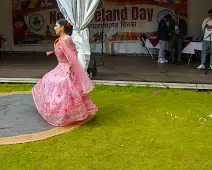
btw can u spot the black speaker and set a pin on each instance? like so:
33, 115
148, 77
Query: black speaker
92, 69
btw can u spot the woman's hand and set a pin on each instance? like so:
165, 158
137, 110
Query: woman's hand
70, 70
49, 53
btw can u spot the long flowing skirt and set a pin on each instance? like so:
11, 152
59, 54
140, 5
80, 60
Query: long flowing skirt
59, 100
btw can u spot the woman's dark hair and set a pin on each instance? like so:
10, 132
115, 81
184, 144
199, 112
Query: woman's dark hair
68, 28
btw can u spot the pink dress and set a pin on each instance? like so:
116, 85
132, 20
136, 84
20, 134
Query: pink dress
61, 97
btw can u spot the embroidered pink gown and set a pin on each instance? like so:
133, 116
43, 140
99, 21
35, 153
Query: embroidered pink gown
61, 97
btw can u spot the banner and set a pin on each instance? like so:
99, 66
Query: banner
34, 21
129, 20
114, 20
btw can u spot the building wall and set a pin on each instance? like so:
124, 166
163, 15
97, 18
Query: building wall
6, 23
197, 12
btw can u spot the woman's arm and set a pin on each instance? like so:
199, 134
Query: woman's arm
81, 76
49, 53
70, 45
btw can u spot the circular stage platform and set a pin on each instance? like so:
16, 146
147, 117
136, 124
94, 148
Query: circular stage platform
20, 121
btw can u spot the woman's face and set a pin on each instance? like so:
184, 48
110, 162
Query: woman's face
58, 28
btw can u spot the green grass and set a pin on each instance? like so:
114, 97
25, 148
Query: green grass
134, 129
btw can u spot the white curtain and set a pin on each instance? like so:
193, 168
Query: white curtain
80, 13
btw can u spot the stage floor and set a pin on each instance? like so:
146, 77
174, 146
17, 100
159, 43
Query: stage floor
119, 68
20, 121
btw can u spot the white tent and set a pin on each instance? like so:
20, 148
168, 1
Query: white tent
80, 13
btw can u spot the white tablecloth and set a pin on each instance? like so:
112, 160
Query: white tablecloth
118, 48
189, 49
137, 48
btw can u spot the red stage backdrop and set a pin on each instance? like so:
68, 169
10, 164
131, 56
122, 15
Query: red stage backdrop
120, 20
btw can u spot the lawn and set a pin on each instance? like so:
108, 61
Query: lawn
134, 129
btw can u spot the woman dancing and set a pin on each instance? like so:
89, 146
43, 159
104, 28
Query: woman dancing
61, 96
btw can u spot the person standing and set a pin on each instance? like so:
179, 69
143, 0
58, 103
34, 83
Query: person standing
178, 33
207, 40
163, 37
61, 96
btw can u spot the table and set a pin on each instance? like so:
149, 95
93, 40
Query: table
189, 47
112, 48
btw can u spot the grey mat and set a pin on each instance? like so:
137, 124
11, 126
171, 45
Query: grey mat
19, 116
